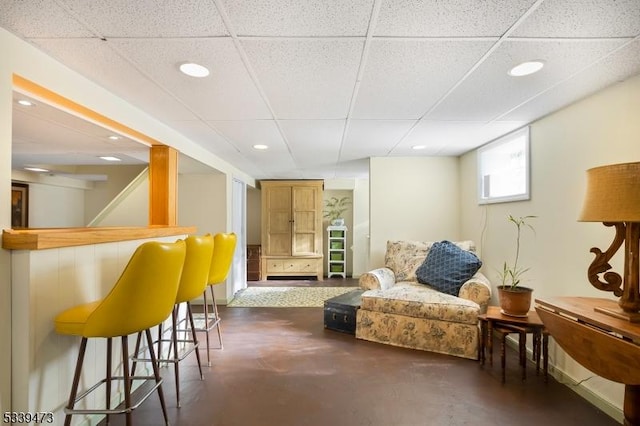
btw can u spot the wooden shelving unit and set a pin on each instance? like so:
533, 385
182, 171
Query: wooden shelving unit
337, 248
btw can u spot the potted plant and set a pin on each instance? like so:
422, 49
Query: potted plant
334, 207
515, 299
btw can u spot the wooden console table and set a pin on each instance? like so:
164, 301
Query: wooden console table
608, 346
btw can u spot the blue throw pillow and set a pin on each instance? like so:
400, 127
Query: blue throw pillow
447, 267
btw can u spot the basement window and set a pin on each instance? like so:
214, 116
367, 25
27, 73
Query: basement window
503, 169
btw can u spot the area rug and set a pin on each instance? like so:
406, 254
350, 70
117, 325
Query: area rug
285, 297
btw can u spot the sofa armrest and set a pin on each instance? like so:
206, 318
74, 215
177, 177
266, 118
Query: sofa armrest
477, 289
381, 278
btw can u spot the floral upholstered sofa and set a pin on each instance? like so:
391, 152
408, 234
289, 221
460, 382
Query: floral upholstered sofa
399, 310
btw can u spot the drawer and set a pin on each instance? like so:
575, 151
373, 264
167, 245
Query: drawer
301, 265
275, 266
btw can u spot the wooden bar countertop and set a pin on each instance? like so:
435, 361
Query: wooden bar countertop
47, 238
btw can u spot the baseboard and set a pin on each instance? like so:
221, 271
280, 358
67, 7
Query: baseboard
578, 387
596, 400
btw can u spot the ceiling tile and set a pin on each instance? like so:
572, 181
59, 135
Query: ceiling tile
583, 18
150, 18
452, 137
96, 60
234, 145
372, 138
270, 164
306, 78
490, 91
292, 83
617, 67
453, 18
352, 169
228, 93
312, 141
205, 134
296, 18
403, 79
244, 134
40, 18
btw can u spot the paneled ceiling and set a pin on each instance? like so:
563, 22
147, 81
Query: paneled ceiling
326, 84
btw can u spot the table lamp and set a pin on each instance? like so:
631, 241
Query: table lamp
613, 198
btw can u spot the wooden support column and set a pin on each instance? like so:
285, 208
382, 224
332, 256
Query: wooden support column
163, 186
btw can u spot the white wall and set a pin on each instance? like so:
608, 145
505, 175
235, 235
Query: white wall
103, 192
254, 215
6, 106
202, 200
55, 206
599, 130
360, 229
131, 209
412, 199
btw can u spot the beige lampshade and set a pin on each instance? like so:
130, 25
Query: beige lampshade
613, 194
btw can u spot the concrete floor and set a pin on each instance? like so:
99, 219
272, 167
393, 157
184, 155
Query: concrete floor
281, 367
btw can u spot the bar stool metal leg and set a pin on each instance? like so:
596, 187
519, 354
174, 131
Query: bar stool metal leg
221, 259
216, 320
206, 328
194, 337
156, 374
76, 380
108, 375
127, 378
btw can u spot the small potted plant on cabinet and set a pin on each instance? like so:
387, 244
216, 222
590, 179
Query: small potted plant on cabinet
515, 299
334, 207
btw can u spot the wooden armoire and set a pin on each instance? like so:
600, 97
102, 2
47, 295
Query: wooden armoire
291, 228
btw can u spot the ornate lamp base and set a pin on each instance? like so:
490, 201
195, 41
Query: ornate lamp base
626, 286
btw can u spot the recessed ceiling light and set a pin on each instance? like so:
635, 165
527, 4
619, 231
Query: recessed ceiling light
25, 102
114, 137
107, 158
36, 169
260, 146
418, 147
194, 70
526, 68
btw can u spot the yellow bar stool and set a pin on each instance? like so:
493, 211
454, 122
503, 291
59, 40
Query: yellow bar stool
224, 246
193, 283
142, 298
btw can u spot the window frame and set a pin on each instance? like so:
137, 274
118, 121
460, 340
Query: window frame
506, 139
